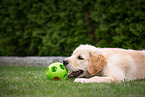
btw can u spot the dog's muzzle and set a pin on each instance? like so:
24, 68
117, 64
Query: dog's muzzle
65, 63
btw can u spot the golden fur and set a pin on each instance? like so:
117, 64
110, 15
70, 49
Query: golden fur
112, 64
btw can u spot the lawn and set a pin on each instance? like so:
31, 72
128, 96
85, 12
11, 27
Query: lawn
32, 82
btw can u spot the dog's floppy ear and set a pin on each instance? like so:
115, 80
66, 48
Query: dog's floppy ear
97, 63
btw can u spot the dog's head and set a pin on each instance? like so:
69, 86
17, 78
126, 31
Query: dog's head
85, 58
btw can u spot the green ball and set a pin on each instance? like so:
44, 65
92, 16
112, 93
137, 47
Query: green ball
56, 71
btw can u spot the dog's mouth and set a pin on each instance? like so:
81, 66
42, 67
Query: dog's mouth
75, 74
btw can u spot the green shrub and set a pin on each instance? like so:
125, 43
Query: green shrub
57, 27
121, 23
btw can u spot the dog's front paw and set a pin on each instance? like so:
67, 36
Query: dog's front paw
82, 80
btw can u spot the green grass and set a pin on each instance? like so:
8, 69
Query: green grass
32, 82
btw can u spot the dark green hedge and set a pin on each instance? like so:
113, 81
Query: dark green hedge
56, 27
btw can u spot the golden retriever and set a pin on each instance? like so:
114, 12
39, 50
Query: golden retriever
106, 64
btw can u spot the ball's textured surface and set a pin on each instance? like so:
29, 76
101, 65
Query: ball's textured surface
56, 71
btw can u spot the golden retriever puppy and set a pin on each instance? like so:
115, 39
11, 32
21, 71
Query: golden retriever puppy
106, 64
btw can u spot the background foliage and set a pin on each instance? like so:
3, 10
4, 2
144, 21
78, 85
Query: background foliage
57, 27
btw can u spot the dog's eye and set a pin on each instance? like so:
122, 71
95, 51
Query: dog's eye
80, 58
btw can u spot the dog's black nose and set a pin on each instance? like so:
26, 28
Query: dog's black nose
65, 62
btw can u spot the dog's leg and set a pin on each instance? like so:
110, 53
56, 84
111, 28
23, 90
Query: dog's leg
96, 79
